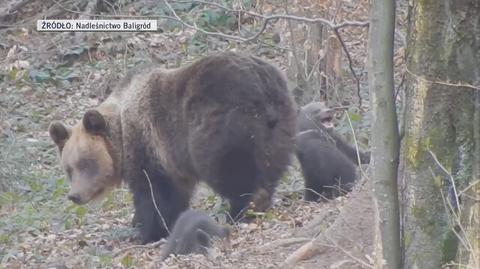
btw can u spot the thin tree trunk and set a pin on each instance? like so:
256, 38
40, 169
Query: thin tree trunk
438, 147
385, 138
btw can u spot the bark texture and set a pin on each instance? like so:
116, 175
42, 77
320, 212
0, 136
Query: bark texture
385, 138
443, 49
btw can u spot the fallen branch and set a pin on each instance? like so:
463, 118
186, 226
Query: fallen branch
358, 260
304, 252
283, 243
335, 240
311, 228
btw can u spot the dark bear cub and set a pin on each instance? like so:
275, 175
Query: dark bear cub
226, 119
327, 160
328, 172
317, 116
193, 233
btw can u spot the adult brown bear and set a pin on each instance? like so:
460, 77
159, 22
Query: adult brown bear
226, 119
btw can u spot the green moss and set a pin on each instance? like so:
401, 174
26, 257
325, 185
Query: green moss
416, 152
424, 220
412, 152
450, 247
417, 211
437, 138
437, 181
407, 239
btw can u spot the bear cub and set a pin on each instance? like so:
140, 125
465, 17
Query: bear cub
327, 160
318, 116
193, 233
328, 172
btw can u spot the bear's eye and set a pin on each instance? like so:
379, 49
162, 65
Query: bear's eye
83, 164
88, 166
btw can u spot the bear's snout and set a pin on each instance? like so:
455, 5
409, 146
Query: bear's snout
75, 198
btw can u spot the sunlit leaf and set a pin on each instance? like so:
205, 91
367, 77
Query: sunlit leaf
354, 117
127, 261
81, 211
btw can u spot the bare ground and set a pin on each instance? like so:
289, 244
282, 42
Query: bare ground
342, 232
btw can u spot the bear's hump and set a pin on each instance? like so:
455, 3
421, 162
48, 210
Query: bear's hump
233, 78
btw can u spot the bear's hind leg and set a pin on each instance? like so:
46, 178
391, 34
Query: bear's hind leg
224, 157
232, 174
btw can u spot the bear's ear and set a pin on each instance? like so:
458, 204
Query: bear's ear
94, 122
59, 133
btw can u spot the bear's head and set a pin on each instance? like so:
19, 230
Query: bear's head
320, 113
87, 157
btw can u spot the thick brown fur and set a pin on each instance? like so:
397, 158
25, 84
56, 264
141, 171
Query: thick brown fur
192, 233
226, 119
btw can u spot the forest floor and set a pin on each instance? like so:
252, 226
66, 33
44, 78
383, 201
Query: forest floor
57, 76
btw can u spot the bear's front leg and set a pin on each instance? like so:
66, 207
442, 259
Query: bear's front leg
156, 219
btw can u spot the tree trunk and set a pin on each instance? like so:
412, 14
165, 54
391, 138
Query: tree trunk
438, 147
385, 138
471, 220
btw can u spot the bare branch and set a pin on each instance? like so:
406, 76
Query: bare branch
449, 208
194, 27
400, 85
471, 197
403, 108
350, 63
452, 181
458, 84
326, 22
119, 16
468, 187
454, 217
320, 196
333, 26
266, 20
362, 171
155, 202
